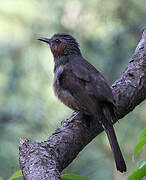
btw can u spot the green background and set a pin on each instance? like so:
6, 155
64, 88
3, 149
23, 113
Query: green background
107, 31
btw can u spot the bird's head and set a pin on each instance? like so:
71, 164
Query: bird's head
62, 45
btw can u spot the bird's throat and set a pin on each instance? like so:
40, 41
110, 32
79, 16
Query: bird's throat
59, 51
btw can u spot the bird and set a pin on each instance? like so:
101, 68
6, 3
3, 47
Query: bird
81, 87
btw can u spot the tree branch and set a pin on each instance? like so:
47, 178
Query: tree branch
47, 159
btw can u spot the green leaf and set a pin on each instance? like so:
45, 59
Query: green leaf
73, 177
16, 175
140, 145
139, 172
143, 134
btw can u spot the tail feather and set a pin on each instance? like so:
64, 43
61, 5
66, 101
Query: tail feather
119, 160
108, 127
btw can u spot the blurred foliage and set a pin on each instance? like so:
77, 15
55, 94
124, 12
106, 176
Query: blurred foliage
73, 177
141, 143
108, 32
140, 171
17, 174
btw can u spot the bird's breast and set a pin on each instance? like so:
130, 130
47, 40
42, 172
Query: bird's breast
61, 93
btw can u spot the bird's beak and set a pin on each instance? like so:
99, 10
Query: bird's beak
46, 40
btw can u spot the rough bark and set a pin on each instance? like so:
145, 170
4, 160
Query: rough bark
46, 160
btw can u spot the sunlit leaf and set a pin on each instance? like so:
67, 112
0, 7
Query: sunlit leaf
143, 134
16, 175
139, 146
73, 177
139, 172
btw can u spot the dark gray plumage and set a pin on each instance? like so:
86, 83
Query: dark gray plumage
81, 87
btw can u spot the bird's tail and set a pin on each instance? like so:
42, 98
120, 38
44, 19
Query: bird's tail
119, 160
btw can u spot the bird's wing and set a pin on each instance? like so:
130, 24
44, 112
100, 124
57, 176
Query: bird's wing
94, 82
76, 87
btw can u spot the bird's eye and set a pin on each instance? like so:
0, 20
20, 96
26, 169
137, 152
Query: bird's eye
57, 41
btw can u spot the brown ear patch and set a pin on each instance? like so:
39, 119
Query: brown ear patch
59, 51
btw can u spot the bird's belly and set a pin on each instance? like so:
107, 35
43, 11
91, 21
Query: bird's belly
65, 96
